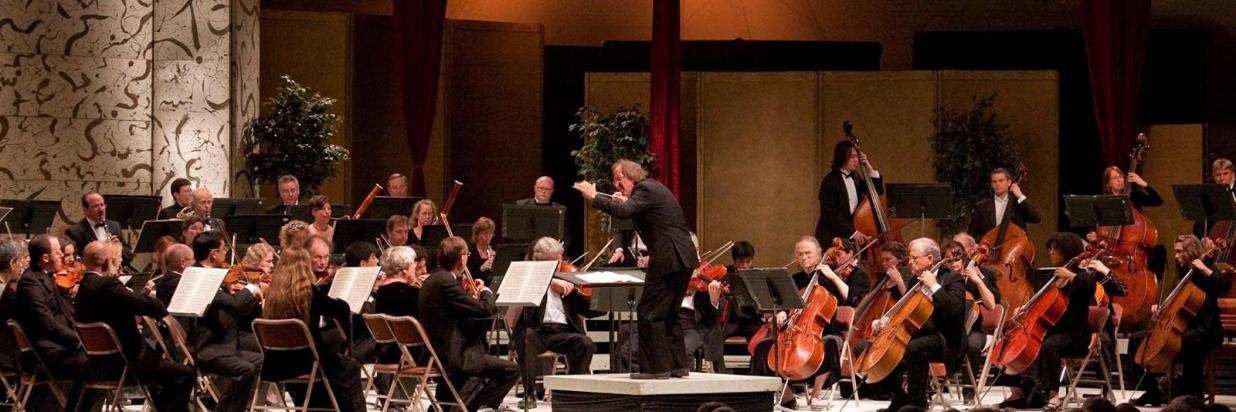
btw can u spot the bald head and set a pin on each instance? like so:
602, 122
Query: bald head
201, 200
95, 256
177, 258
543, 190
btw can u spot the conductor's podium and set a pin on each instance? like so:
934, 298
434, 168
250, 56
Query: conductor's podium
618, 392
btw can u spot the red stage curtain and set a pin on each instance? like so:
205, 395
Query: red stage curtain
418, 28
1115, 35
666, 65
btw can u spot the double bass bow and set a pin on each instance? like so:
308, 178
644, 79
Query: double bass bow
1012, 253
1168, 326
1131, 244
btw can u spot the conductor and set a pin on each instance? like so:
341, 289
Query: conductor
659, 221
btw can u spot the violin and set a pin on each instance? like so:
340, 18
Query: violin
566, 266
243, 275
69, 278
708, 272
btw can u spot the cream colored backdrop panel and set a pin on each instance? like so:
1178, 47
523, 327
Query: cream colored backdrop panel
1028, 102
891, 113
758, 172
1175, 157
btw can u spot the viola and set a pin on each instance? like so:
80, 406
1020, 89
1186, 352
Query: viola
1020, 345
1132, 245
888, 345
1168, 326
1012, 255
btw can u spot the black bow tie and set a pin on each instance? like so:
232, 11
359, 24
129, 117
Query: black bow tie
100, 225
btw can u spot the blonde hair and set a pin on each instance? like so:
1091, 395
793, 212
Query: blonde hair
291, 291
255, 253
288, 231
482, 226
416, 210
1192, 247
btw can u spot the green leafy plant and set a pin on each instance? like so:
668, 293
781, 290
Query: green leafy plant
294, 139
966, 147
609, 137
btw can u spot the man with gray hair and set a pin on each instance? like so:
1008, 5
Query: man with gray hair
202, 201
289, 195
942, 338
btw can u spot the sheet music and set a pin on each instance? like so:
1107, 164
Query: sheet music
608, 277
525, 283
354, 285
196, 290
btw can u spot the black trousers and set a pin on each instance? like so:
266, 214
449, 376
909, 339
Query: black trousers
238, 373
661, 345
832, 359
1193, 352
920, 352
714, 345
64, 365
171, 382
692, 334
344, 376
1043, 375
975, 342
484, 390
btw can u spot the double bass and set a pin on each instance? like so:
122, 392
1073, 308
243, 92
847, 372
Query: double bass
1020, 345
1168, 326
870, 216
1012, 255
1131, 245
888, 346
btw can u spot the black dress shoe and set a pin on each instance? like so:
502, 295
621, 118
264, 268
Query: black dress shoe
1150, 398
646, 376
680, 373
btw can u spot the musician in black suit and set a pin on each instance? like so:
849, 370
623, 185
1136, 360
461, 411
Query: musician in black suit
289, 195
13, 261
104, 299
1222, 172
451, 314
557, 324
942, 338
202, 201
981, 286
181, 190
96, 226
1203, 333
1007, 203
542, 195
735, 319
1070, 336
840, 193
46, 315
214, 338
659, 221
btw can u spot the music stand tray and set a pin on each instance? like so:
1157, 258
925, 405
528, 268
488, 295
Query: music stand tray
506, 253
222, 207
30, 216
432, 235
152, 230
132, 210
1098, 210
527, 222
349, 231
383, 207
926, 201
1209, 203
253, 228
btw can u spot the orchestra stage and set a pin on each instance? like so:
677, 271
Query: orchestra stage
619, 392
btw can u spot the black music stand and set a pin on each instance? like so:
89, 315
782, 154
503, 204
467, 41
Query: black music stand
612, 298
770, 290
1205, 203
1098, 210
152, 230
222, 207
528, 222
131, 211
432, 235
300, 212
349, 231
250, 229
383, 207
30, 216
920, 201
507, 253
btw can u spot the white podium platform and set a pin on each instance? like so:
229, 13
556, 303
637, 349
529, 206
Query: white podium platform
619, 392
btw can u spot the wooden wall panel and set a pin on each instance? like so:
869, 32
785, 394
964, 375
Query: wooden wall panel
1175, 157
891, 113
493, 113
758, 172
1028, 102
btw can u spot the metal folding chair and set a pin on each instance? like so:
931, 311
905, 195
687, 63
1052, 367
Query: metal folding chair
290, 335
41, 375
1097, 319
100, 342
408, 334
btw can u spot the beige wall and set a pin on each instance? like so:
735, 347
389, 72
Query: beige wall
1175, 157
765, 140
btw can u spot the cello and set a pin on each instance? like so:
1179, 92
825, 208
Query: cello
888, 345
1020, 345
1131, 245
1012, 255
871, 308
870, 217
799, 349
1168, 326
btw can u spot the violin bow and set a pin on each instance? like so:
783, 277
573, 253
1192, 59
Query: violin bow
598, 255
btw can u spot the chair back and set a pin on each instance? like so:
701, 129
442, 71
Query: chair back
972, 316
19, 334
98, 339
1117, 313
376, 322
993, 318
283, 335
844, 315
407, 330
1227, 315
1097, 318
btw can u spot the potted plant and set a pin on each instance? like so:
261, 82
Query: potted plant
606, 138
294, 139
966, 147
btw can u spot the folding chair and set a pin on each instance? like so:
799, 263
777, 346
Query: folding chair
1227, 317
382, 335
844, 317
100, 341
409, 333
993, 322
205, 387
12, 384
1097, 318
1117, 312
41, 375
290, 335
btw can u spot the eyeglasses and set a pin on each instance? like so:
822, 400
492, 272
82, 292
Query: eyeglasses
545, 189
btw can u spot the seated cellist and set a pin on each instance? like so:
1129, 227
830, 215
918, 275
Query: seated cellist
981, 287
941, 338
1069, 336
810, 258
1203, 334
